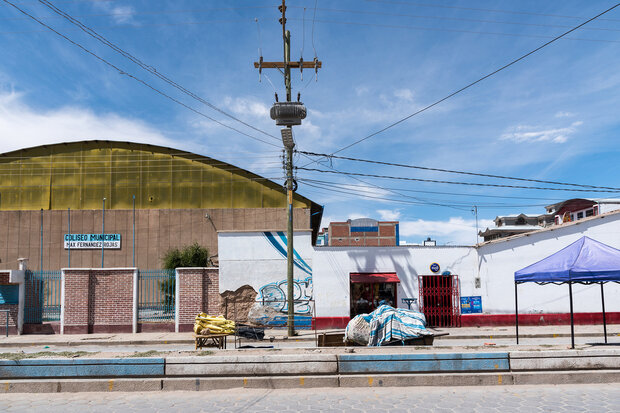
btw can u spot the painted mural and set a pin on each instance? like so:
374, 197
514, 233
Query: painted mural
272, 296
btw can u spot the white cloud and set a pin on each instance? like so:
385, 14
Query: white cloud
389, 215
524, 133
564, 115
361, 90
327, 219
22, 126
247, 107
120, 14
456, 230
307, 134
404, 94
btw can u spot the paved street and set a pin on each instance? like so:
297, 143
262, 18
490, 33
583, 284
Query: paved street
563, 398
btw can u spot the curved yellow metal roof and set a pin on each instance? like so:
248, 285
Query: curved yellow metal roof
79, 175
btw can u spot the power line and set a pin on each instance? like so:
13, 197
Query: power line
389, 26
437, 29
313, 21
442, 6
432, 192
143, 65
122, 72
117, 27
460, 203
388, 190
456, 172
476, 81
460, 19
363, 194
451, 182
135, 13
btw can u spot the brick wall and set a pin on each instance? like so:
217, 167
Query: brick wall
4, 279
340, 235
98, 301
101, 301
156, 231
211, 291
198, 292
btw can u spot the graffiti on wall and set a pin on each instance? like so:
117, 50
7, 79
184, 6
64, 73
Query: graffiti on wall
274, 295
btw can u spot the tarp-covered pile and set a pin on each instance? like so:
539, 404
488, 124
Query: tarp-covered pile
206, 324
386, 325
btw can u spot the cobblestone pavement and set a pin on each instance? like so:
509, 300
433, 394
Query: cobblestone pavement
530, 399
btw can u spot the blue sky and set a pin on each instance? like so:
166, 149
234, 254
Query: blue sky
552, 116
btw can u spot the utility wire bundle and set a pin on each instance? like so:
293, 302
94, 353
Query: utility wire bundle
206, 324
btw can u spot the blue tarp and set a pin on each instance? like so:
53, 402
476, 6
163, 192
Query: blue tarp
585, 260
388, 324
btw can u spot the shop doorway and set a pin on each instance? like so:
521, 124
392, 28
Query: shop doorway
439, 300
370, 290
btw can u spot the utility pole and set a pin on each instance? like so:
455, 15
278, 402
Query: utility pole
288, 114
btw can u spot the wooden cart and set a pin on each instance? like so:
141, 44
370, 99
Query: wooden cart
210, 340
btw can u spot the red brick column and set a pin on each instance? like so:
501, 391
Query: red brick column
211, 291
13, 308
98, 300
197, 292
75, 302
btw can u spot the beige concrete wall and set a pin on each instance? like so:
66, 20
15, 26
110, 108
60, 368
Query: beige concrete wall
156, 231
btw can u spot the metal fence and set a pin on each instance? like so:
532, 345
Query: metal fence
156, 296
439, 300
43, 295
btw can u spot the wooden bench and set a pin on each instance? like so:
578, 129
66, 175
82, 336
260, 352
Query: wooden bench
210, 340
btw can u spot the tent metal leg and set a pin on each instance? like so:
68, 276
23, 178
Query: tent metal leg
604, 319
572, 321
516, 314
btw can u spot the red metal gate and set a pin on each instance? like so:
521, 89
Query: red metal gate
440, 300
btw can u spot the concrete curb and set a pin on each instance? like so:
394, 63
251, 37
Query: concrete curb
301, 382
308, 338
422, 363
253, 365
564, 360
75, 368
310, 370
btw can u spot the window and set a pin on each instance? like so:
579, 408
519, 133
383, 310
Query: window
589, 212
579, 215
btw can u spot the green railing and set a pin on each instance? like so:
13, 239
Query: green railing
156, 295
42, 296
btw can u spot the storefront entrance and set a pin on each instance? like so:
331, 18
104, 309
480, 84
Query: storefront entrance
439, 300
370, 290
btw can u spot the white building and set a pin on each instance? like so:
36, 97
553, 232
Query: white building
335, 279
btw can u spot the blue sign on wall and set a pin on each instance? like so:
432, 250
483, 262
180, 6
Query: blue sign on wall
9, 294
471, 305
435, 267
92, 241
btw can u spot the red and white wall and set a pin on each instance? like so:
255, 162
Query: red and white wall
486, 270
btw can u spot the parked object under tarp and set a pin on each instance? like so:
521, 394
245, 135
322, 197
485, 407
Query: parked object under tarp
585, 261
387, 325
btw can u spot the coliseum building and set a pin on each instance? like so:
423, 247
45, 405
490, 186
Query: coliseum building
156, 198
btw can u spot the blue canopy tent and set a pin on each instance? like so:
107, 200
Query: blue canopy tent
585, 261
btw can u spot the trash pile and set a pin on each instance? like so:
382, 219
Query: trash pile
386, 325
206, 324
